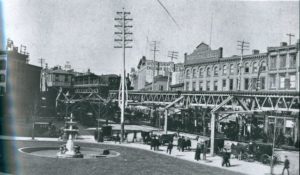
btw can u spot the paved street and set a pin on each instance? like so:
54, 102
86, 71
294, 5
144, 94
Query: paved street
129, 155
130, 162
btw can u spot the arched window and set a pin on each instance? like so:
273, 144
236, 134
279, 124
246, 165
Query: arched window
224, 69
208, 72
246, 67
255, 67
231, 69
263, 66
194, 73
201, 72
187, 74
216, 71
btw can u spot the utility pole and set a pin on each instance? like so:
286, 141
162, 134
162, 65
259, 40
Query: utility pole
172, 55
273, 145
290, 37
41, 61
154, 50
242, 46
122, 39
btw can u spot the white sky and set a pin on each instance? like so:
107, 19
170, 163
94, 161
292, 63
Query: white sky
82, 31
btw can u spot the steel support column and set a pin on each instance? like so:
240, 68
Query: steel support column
166, 122
212, 133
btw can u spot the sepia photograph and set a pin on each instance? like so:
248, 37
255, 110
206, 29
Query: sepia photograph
149, 87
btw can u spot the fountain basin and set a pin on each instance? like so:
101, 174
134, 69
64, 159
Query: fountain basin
53, 152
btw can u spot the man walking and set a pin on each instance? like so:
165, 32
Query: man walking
170, 147
286, 165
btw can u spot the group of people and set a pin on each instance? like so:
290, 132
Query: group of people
154, 144
225, 157
183, 144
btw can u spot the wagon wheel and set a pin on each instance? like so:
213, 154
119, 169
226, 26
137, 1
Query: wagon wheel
265, 159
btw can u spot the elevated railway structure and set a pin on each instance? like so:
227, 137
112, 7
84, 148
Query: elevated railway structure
220, 104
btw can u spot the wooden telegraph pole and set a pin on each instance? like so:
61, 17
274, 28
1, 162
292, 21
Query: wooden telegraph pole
122, 40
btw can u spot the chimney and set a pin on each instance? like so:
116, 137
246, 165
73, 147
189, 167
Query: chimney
283, 44
185, 57
221, 52
255, 51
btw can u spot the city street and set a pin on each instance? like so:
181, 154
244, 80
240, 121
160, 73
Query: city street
130, 162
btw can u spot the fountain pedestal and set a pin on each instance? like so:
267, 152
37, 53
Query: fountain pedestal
69, 150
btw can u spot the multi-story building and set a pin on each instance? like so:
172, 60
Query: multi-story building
145, 71
207, 70
22, 81
160, 84
275, 70
3, 55
177, 77
56, 77
283, 69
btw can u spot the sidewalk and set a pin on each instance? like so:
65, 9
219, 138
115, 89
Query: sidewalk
250, 168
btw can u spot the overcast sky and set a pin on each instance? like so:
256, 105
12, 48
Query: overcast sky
82, 31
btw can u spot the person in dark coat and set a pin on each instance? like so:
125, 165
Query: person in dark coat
170, 147
286, 165
179, 143
134, 136
188, 144
198, 153
183, 144
225, 156
157, 143
152, 143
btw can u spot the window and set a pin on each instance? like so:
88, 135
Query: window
281, 81
2, 77
292, 83
262, 83
194, 86
246, 67
208, 85
231, 69
208, 72
273, 62
161, 87
292, 60
263, 66
272, 81
66, 78
223, 84
2, 64
194, 73
253, 83
282, 61
238, 68
224, 70
216, 71
246, 84
201, 85
201, 72
187, 86
230, 84
216, 85
56, 77
255, 67
2, 90
187, 73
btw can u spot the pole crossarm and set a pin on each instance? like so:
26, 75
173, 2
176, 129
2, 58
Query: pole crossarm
245, 100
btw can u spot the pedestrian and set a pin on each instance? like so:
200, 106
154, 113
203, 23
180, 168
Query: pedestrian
170, 147
226, 157
152, 143
286, 165
198, 153
183, 144
179, 142
157, 143
188, 144
118, 138
134, 137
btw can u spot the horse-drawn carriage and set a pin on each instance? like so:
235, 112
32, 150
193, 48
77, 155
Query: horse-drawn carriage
252, 151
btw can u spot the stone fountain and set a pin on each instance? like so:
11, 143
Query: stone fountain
69, 150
